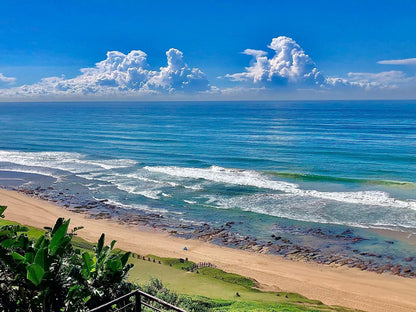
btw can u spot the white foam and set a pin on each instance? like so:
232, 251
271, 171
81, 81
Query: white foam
96, 187
196, 187
255, 179
34, 170
137, 189
190, 202
318, 210
71, 162
89, 176
224, 175
152, 194
140, 177
137, 182
137, 207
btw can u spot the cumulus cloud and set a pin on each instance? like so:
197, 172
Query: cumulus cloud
409, 61
8, 80
288, 65
284, 69
122, 74
177, 75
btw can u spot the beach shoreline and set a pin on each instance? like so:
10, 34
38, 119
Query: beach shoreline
332, 285
337, 246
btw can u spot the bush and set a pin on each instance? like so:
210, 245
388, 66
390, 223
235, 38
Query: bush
49, 274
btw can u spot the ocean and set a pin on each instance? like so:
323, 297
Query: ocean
267, 166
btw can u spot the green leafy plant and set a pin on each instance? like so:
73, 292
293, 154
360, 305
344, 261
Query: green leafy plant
49, 274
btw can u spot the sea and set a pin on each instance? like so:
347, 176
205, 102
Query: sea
266, 165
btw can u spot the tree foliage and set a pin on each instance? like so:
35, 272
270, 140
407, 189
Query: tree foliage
49, 274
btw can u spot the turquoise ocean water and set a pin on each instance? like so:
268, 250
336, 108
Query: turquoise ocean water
335, 164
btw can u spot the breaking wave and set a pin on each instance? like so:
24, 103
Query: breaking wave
256, 179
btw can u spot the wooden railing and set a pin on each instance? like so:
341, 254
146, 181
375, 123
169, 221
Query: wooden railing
134, 302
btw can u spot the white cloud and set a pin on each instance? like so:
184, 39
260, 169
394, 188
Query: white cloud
177, 75
285, 70
289, 65
409, 61
384, 80
255, 53
121, 74
8, 80
292, 67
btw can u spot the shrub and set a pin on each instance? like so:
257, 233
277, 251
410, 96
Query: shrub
49, 274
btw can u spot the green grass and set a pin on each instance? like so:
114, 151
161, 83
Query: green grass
212, 286
220, 287
209, 272
35, 233
273, 307
262, 307
228, 277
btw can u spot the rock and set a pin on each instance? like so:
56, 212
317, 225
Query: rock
355, 240
369, 254
257, 247
387, 267
396, 270
344, 261
265, 250
347, 232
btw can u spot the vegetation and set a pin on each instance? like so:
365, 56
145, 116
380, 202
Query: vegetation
75, 275
48, 274
208, 271
216, 290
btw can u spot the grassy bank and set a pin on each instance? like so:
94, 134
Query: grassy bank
214, 288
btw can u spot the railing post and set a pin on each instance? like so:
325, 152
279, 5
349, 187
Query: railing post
138, 303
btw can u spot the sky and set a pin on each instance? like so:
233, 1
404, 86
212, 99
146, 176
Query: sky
213, 50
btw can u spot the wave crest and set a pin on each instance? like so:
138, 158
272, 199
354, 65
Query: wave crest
259, 180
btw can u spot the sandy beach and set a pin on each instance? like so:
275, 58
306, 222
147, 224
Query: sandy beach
332, 285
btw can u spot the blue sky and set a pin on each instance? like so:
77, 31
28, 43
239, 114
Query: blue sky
341, 38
